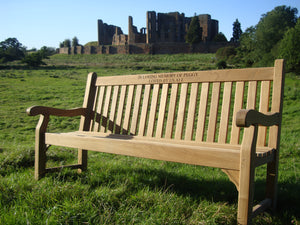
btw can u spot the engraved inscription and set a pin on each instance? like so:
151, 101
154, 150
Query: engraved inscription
168, 77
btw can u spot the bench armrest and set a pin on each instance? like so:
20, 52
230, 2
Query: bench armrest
48, 111
248, 117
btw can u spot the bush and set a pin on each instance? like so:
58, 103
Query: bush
220, 37
222, 64
34, 59
226, 53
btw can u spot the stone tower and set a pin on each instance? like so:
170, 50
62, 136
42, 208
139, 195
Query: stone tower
151, 27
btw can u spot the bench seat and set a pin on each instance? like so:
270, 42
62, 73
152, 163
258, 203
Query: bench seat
224, 156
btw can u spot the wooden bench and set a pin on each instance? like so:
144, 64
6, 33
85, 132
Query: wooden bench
185, 117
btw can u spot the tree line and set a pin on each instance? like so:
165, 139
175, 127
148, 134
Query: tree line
11, 49
277, 35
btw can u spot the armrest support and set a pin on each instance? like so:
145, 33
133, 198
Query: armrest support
248, 117
48, 111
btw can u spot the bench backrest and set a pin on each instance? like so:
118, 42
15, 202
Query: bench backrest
198, 106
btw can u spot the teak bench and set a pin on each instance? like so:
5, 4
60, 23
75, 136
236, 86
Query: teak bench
185, 117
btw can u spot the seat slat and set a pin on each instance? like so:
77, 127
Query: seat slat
144, 109
225, 112
162, 110
153, 148
181, 111
202, 111
136, 109
238, 104
213, 114
171, 111
191, 112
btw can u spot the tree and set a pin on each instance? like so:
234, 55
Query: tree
46, 51
237, 31
194, 34
11, 49
247, 46
67, 43
220, 37
270, 30
260, 44
290, 48
75, 42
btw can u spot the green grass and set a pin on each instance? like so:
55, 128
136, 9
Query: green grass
120, 189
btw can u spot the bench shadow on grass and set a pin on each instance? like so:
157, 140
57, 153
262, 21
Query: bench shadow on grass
197, 188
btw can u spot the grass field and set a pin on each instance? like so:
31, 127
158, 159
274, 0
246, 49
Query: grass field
120, 189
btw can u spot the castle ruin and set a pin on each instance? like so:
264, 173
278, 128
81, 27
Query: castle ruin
161, 28
164, 34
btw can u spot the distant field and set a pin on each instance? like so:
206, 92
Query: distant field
120, 189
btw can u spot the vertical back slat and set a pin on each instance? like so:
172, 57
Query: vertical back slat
120, 109
225, 112
153, 109
105, 109
181, 111
99, 108
144, 110
113, 109
202, 112
264, 108
191, 112
213, 114
136, 109
92, 125
162, 110
277, 99
171, 111
128, 109
252, 91
238, 104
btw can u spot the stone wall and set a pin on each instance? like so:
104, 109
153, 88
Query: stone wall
161, 27
156, 48
106, 33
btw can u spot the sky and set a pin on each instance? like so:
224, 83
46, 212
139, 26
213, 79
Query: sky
38, 23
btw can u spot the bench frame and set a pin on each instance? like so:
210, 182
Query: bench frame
245, 156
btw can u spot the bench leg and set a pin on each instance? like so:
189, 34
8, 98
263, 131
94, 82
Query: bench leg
82, 160
247, 173
40, 147
40, 157
271, 186
245, 198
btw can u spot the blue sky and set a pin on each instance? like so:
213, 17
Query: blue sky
37, 23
